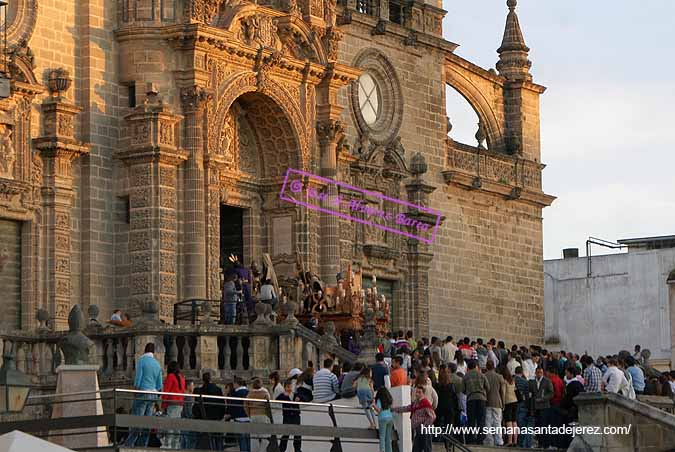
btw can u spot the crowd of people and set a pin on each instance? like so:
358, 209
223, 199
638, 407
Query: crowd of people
460, 383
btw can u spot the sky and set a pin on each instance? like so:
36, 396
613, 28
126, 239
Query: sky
607, 118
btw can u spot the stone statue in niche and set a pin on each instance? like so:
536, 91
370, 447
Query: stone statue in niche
330, 15
75, 345
7, 152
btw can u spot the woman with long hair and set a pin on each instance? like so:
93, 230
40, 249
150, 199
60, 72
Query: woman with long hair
461, 365
385, 418
364, 391
173, 404
510, 406
447, 411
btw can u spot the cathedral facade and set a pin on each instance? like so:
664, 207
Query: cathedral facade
144, 141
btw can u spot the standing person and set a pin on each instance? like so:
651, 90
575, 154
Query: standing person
228, 304
421, 413
291, 415
347, 390
212, 409
238, 413
525, 413
568, 409
476, 388
172, 405
148, 378
592, 375
385, 418
510, 407
447, 411
435, 352
637, 375
364, 391
614, 379
541, 389
277, 390
461, 364
512, 363
448, 350
325, 384
381, 375
257, 412
503, 354
188, 440
492, 356
482, 353
495, 403
398, 377
529, 368
412, 343
267, 294
554, 415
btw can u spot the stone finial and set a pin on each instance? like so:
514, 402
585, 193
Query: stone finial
481, 136
151, 94
75, 345
418, 165
329, 333
289, 311
59, 82
262, 311
42, 317
149, 313
93, 311
513, 63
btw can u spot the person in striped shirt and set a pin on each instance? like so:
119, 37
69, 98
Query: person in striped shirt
326, 386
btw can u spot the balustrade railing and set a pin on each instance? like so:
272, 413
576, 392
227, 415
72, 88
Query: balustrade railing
226, 350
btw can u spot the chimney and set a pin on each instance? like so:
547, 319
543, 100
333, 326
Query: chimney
569, 253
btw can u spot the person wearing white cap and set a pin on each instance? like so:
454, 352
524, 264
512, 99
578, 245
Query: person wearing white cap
293, 375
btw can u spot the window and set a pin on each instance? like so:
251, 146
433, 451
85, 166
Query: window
369, 99
396, 12
132, 95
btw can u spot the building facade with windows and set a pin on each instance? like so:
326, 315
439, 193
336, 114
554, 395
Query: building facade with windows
146, 140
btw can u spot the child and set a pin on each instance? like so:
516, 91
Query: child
291, 415
364, 391
385, 418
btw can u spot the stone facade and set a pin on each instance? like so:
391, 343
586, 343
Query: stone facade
188, 105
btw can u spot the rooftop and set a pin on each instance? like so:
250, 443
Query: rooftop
650, 243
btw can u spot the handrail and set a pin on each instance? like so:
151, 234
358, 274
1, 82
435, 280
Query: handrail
204, 396
452, 444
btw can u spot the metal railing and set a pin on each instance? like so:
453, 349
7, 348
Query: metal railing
116, 424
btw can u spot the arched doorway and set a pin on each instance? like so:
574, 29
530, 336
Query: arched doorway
252, 146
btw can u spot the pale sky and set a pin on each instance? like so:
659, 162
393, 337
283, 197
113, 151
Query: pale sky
607, 122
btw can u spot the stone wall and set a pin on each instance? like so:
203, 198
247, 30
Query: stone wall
626, 292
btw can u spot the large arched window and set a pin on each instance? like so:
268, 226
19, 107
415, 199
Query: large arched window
463, 118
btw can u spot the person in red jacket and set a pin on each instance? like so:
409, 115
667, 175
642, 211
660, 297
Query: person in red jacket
172, 404
421, 413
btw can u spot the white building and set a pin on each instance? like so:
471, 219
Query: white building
617, 301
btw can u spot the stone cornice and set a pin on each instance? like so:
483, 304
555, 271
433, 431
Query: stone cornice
396, 30
61, 147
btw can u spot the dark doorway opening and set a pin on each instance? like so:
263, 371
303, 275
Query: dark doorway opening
231, 234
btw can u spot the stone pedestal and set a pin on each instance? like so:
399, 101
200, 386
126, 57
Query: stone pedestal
401, 396
78, 378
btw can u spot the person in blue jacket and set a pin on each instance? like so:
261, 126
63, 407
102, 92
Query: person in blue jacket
148, 378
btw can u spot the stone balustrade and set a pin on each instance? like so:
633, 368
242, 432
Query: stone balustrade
226, 350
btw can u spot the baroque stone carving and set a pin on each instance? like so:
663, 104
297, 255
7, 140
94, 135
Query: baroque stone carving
330, 15
259, 29
204, 11
331, 42
7, 152
75, 345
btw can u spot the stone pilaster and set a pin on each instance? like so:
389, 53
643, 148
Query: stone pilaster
153, 158
58, 149
328, 134
214, 164
194, 101
416, 313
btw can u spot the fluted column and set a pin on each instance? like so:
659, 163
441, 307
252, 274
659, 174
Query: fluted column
328, 133
194, 101
59, 148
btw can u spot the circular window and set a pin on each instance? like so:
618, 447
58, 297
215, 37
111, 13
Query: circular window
369, 99
376, 97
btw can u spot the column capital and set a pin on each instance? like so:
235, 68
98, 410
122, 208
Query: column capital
194, 98
329, 130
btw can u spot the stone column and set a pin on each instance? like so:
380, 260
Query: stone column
58, 149
194, 100
419, 253
213, 165
153, 158
328, 133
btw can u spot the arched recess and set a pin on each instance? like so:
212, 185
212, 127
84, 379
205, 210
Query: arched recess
480, 103
241, 84
255, 133
462, 116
